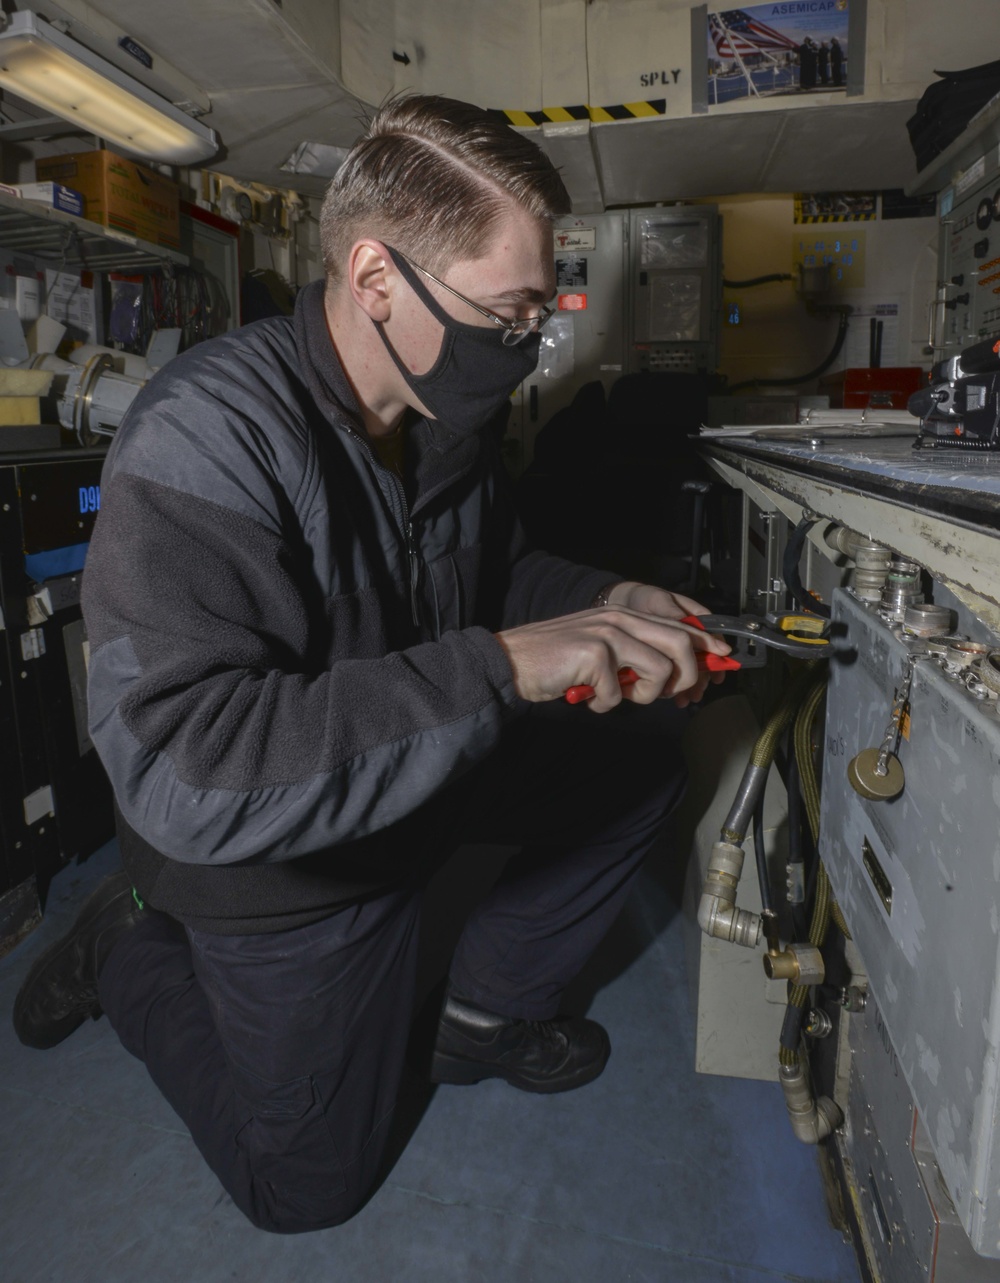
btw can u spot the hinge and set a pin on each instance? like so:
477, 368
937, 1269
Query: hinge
32, 644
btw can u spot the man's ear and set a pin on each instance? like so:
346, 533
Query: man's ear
370, 278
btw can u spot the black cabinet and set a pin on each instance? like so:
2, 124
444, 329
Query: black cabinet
55, 800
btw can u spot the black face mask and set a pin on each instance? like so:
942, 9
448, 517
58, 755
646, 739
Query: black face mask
475, 372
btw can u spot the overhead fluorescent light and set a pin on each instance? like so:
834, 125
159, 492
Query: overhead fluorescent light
38, 62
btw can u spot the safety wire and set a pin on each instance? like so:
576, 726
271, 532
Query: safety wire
824, 906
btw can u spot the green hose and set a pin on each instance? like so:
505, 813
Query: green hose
824, 907
766, 744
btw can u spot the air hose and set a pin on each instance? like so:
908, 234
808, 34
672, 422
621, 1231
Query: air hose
718, 914
812, 1120
757, 280
808, 377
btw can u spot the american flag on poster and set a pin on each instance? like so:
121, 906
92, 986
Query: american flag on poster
736, 32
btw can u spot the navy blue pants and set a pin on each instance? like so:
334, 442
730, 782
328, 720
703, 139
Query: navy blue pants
284, 1053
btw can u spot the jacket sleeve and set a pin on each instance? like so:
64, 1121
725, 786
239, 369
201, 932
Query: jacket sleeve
228, 734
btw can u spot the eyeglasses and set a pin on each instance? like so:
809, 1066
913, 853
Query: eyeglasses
513, 331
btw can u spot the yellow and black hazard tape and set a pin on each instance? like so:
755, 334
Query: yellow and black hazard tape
836, 218
598, 115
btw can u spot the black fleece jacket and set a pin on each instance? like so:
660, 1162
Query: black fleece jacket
289, 659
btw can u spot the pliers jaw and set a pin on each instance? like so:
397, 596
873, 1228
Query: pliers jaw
751, 636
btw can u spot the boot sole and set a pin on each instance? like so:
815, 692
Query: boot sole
458, 1071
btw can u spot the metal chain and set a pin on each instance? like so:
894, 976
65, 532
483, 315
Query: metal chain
901, 699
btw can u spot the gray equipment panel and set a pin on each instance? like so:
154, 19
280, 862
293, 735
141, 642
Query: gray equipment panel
968, 305
918, 880
910, 1227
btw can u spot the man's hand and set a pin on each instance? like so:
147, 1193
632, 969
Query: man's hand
653, 601
588, 649
659, 601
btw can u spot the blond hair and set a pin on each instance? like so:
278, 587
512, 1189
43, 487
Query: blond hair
433, 176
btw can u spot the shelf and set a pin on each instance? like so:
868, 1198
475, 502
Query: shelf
66, 241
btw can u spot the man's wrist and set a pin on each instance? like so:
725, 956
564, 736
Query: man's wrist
609, 594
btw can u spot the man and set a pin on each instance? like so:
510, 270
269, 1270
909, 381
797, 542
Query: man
836, 62
823, 63
315, 631
807, 64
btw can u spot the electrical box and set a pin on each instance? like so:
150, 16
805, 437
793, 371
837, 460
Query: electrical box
918, 881
675, 288
55, 799
584, 341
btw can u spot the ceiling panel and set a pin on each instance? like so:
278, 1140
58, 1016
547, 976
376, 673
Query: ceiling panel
860, 146
833, 147
271, 77
263, 128
645, 161
224, 44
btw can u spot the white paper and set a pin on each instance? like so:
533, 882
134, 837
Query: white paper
71, 303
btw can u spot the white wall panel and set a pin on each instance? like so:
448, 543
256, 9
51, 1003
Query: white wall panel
476, 50
564, 53
648, 39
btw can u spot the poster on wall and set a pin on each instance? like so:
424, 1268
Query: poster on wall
787, 47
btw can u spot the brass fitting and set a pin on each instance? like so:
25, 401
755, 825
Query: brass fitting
717, 912
802, 964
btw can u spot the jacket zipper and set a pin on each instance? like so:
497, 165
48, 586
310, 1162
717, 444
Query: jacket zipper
412, 555
411, 549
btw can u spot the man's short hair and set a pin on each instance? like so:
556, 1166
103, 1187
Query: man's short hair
433, 176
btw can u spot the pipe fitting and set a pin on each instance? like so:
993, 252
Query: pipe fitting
802, 964
871, 560
717, 912
812, 1120
864, 552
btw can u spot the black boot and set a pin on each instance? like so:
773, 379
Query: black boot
60, 990
535, 1055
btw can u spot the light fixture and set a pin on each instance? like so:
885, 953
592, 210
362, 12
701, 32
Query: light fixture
38, 62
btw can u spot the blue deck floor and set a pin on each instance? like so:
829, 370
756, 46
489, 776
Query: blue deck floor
650, 1173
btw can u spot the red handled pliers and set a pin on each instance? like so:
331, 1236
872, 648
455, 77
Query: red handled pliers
750, 637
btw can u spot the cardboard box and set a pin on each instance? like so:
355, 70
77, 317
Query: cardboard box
54, 194
119, 193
